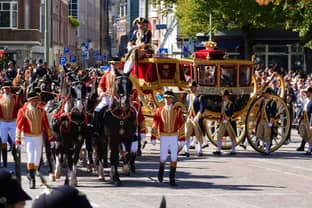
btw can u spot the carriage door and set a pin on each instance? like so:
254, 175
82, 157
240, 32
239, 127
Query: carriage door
228, 76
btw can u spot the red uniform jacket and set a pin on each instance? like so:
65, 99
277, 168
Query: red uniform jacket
9, 107
168, 123
32, 122
107, 83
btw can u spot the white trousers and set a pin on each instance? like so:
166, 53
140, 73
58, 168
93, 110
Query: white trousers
168, 143
7, 128
133, 149
106, 100
33, 149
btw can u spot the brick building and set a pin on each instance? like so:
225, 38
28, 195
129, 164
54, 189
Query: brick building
19, 28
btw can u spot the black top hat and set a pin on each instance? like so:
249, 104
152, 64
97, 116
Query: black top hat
139, 20
7, 84
226, 93
268, 90
39, 61
32, 95
194, 84
168, 94
62, 196
10, 190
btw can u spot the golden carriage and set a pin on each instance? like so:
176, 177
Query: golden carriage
214, 74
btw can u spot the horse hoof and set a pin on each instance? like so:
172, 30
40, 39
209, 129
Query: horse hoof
52, 177
74, 182
101, 178
57, 175
116, 183
126, 170
89, 168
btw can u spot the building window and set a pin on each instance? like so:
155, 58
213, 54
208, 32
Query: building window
73, 8
8, 14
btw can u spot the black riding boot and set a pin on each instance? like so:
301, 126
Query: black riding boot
301, 147
32, 181
132, 162
4, 153
161, 172
172, 174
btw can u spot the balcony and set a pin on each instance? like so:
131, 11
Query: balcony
17, 35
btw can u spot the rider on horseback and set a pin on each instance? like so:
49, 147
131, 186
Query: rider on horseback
105, 90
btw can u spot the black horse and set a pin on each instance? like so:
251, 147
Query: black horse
72, 128
117, 125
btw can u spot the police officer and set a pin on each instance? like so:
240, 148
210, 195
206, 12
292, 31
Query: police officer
9, 106
305, 126
31, 121
226, 123
62, 196
192, 122
11, 192
168, 126
140, 42
266, 119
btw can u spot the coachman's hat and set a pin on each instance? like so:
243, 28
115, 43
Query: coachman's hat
193, 84
168, 94
268, 90
7, 84
62, 196
139, 20
33, 95
226, 93
10, 190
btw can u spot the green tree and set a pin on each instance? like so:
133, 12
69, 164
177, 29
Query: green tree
193, 16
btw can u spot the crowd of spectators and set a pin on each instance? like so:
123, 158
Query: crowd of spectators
295, 83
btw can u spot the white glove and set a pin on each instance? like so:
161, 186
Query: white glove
196, 119
270, 125
52, 144
224, 121
131, 47
153, 142
18, 147
143, 137
181, 143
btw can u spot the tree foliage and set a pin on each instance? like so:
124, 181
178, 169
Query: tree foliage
193, 16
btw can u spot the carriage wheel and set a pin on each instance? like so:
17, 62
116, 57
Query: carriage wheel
282, 125
212, 129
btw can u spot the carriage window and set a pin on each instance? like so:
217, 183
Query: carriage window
228, 76
206, 75
244, 75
